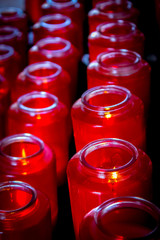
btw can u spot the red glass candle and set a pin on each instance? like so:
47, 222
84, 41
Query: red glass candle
24, 212
58, 25
107, 11
44, 76
122, 67
13, 37
33, 9
60, 51
26, 158
119, 35
123, 217
104, 169
94, 2
9, 63
42, 115
108, 111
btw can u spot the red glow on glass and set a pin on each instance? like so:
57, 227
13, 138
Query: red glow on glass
33, 9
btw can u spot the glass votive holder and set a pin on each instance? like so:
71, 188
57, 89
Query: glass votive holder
107, 11
104, 169
26, 158
122, 218
58, 25
108, 111
43, 115
9, 64
122, 67
60, 51
33, 9
94, 2
13, 37
43, 76
24, 212
118, 35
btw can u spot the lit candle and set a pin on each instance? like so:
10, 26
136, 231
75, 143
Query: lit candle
123, 218
24, 212
44, 116
107, 11
104, 169
108, 111
117, 34
27, 158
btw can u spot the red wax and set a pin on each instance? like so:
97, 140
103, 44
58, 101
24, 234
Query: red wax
107, 11
104, 169
119, 35
123, 218
26, 158
108, 111
44, 76
60, 51
44, 116
9, 63
122, 67
24, 212
4, 104
33, 9
57, 25
12, 36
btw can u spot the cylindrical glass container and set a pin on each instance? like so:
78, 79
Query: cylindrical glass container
119, 35
9, 63
43, 115
107, 11
122, 67
33, 9
24, 212
104, 169
60, 51
108, 111
27, 158
122, 218
13, 37
43, 76
57, 25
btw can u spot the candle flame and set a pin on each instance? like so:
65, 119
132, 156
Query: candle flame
107, 115
23, 153
114, 176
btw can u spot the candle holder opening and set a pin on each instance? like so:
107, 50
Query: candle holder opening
114, 8
7, 33
62, 3
10, 12
55, 21
6, 51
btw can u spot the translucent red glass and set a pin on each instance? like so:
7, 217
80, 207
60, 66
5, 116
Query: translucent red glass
125, 217
104, 169
107, 11
108, 111
42, 115
122, 67
60, 51
9, 63
58, 25
33, 9
44, 76
94, 2
119, 35
26, 158
24, 212
13, 37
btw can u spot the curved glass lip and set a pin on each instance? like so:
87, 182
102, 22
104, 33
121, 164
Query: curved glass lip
22, 138
51, 40
105, 89
19, 12
119, 23
127, 202
57, 16
121, 70
60, 5
33, 95
14, 32
41, 65
8, 54
107, 142
22, 186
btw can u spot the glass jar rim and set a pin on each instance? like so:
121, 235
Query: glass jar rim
14, 32
128, 201
33, 95
16, 138
22, 186
61, 5
105, 89
57, 16
18, 12
9, 51
106, 142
